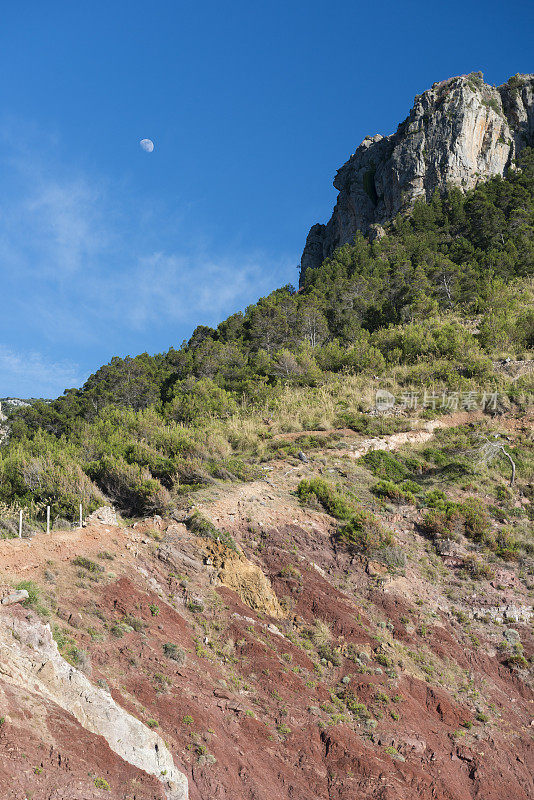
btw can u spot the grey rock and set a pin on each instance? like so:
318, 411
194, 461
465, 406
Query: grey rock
460, 132
15, 597
31, 658
105, 515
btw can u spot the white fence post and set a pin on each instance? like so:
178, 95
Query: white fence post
81, 515
20, 524
48, 519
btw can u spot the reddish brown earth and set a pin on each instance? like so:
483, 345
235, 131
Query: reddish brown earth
251, 713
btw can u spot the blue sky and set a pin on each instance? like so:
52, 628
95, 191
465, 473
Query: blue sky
107, 250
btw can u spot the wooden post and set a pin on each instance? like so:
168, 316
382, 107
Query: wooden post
48, 519
81, 516
20, 524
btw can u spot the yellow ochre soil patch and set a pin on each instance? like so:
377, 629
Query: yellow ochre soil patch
245, 578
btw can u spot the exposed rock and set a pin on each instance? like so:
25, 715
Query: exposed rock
105, 515
375, 569
460, 132
29, 657
247, 579
505, 613
15, 597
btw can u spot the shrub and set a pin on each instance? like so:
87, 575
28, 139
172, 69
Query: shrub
34, 598
411, 486
506, 545
448, 519
174, 652
332, 501
516, 661
476, 519
383, 465
394, 492
436, 499
363, 533
86, 563
435, 524
327, 652
393, 557
477, 569
372, 426
137, 624
131, 486
201, 526
356, 707
196, 400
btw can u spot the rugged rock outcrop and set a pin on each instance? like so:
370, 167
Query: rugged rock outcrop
460, 132
105, 515
29, 657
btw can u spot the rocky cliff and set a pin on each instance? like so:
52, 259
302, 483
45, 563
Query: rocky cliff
459, 132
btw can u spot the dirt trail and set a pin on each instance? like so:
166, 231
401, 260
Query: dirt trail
418, 435
396, 440
460, 418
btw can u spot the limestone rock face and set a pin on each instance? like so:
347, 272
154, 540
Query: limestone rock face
460, 132
29, 657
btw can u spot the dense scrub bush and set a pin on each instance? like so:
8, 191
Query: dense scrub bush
129, 486
476, 520
478, 569
449, 519
332, 501
43, 471
363, 533
194, 400
393, 557
393, 491
383, 465
373, 426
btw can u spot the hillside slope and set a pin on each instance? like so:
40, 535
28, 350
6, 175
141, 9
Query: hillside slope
278, 658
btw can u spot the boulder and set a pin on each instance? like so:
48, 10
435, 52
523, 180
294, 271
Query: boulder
15, 597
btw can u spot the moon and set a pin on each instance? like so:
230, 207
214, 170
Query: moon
147, 145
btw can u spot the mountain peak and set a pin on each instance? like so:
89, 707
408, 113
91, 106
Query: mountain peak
459, 132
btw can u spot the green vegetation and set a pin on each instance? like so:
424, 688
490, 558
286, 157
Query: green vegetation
87, 564
69, 649
362, 532
200, 525
34, 598
174, 652
393, 491
435, 303
322, 492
